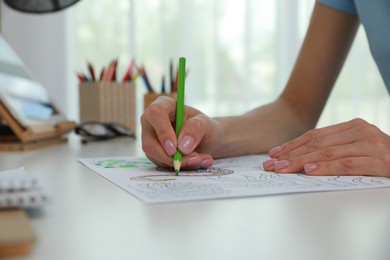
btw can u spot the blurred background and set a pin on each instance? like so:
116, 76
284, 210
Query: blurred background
239, 52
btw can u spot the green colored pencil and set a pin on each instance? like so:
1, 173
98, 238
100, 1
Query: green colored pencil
179, 110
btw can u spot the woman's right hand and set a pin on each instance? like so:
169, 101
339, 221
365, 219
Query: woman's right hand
198, 138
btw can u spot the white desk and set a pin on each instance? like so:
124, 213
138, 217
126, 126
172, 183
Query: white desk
90, 218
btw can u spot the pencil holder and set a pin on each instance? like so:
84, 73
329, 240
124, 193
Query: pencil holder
108, 102
150, 97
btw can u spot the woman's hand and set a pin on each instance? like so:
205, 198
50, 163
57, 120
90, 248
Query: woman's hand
198, 137
351, 148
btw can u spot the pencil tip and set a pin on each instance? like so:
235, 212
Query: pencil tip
176, 166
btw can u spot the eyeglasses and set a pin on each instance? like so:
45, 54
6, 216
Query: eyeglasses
98, 131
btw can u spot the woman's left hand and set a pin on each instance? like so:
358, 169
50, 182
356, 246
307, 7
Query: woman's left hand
351, 148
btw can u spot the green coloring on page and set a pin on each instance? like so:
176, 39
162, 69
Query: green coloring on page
123, 163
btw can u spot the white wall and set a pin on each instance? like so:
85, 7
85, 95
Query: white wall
40, 41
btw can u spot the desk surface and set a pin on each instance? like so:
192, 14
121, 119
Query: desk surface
90, 218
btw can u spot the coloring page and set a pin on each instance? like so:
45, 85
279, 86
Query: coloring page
228, 178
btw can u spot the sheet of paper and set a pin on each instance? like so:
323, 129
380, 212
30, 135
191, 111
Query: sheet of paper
228, 178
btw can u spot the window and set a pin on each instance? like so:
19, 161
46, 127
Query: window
239, 53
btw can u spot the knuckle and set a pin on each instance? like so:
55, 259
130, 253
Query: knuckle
374, 142
371, 135
154, 110
311, 134
369, 128
314, 143
195, 125
162, 134
358, 121
346, 165
327, 153
284, 156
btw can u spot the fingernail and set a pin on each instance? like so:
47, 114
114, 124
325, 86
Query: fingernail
186, 144
196, 160
206, 163
274, 151
269, 163
281, 164
169, 147
310, 167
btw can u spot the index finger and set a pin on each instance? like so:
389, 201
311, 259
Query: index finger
160, 115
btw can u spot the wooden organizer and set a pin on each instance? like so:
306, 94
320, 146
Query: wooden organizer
21, 138
108, 102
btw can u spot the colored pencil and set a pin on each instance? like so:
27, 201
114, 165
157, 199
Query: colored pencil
179, 110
